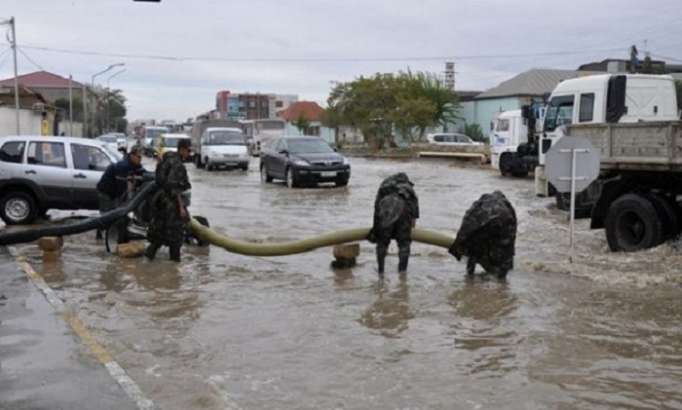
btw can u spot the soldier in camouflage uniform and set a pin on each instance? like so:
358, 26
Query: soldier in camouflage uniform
396, 210
169, 212
487, 235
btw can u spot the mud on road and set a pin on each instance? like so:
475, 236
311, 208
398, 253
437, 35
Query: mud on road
222, 330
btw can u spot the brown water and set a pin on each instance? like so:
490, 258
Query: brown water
227, 331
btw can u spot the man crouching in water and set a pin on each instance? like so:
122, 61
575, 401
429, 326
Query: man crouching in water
396, 210
169, 213
487, 235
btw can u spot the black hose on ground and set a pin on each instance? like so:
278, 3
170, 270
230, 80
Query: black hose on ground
99, 222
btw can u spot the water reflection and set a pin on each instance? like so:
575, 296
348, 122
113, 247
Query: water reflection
484, 326
390, 312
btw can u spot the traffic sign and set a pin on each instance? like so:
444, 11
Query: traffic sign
571, 165
559, 163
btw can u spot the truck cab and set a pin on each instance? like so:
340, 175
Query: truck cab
604, 98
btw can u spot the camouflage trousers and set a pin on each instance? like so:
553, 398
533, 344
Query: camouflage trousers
166, 226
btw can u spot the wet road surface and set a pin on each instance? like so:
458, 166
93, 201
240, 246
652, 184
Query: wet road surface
42, 363
222, 330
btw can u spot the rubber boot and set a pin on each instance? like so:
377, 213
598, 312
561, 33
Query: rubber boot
175, 253
150, 252
403, 258
382, 250
471, 266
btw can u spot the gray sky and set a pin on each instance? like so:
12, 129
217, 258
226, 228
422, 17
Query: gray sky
349, 32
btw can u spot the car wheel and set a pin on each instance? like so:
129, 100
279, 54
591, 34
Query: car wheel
244, 167
291, 181
264, 177
18, 208
342, 182
632, 224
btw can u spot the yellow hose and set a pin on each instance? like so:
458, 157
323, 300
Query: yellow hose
305, 245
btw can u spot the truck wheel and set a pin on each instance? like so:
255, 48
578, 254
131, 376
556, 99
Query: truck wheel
632, 224
505, 164
563, 202
197, 161
17, 208
668, 213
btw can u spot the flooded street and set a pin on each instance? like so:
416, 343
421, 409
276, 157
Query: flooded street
221, 330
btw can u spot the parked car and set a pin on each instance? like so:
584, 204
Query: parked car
166, 143
41, 173
451, 138
303, 161
220, 146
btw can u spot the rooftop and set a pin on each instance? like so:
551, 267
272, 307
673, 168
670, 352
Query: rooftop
309, 110
41, 79
534, 82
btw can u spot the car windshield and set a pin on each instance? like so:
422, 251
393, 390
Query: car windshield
114, 153
171, 142
308, 146
225, 138
108, 138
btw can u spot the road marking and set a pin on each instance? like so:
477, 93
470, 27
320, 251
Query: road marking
71, 318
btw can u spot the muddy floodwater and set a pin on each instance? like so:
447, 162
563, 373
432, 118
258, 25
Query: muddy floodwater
221, 330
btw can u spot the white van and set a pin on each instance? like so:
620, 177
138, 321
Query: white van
222, 147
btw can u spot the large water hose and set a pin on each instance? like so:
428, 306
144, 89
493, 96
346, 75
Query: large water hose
305, 245
99, 222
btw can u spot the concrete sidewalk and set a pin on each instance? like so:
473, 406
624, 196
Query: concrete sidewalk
43, 365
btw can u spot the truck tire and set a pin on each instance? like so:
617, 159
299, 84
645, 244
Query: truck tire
505, 164
633, 224
18, 208
668, 213
563, 202
197, 161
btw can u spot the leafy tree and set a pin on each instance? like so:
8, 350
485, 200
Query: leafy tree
380, 104
63, 105
302, 124
474, 132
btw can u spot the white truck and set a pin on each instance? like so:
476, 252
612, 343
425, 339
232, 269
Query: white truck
260, 132
513, 143
634, 121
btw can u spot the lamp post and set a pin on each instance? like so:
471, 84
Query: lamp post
108, 103
92, 82
13, 28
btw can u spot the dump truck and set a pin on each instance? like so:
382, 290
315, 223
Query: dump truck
634, 122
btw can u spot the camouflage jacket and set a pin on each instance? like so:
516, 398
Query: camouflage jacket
400, 185
171, 174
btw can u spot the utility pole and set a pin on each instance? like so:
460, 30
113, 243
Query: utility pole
13, 42
85, 110
70, 105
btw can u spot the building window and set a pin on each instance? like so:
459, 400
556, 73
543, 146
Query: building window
279, 104
586, 107
252, 104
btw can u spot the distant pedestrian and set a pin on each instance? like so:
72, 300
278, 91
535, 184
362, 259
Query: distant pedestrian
487, 235
169, 212
396, 209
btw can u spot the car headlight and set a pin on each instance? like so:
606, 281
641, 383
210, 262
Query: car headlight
301, 163
346, 161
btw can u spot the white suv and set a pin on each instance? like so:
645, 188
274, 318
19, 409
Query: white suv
41, 173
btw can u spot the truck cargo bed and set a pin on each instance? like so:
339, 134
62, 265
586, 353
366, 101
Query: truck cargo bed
645, 146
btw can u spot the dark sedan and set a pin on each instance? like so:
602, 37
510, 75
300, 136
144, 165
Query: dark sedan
303, 161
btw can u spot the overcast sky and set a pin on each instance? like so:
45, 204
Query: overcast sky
264, 34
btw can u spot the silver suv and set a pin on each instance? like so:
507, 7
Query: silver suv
41, 173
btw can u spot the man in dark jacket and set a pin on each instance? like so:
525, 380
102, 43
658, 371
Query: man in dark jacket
169, 212
396, 209
113, 185
487, 235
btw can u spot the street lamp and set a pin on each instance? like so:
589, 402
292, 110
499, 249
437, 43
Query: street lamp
85, 112
108, 102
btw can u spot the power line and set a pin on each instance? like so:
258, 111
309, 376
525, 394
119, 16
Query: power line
3, 56
315, 59
30, 59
